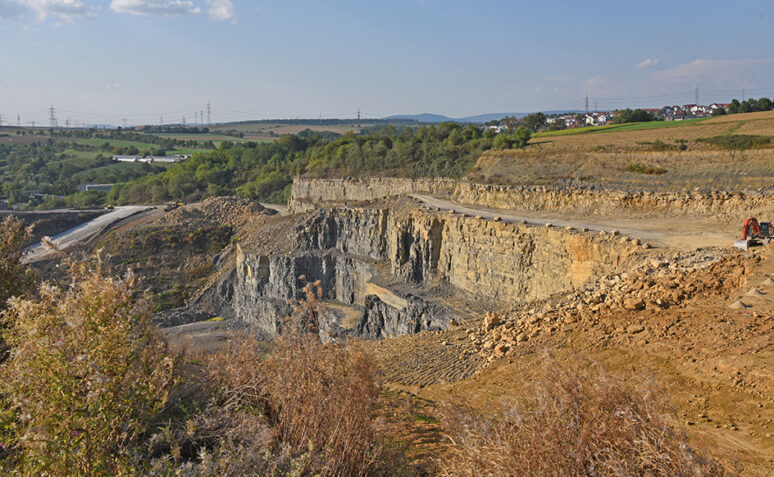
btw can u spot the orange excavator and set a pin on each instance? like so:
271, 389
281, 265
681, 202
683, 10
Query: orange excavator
754, 233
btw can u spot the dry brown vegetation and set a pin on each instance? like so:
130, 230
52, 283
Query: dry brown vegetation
307, 408
575, 421
15, 279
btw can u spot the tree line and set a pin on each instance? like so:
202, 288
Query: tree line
265, 171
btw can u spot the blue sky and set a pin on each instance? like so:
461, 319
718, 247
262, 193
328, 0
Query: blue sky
105, 60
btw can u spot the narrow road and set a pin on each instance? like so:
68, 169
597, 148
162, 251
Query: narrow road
83, 232
677, 233
280, 209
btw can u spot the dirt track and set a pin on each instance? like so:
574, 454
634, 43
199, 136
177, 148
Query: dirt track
661, 232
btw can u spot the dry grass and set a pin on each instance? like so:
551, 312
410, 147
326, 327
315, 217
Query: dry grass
685, 169
307, 408
627, 140
760, 115
575, 421
763, 127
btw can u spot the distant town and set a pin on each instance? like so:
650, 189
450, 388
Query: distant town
604, 118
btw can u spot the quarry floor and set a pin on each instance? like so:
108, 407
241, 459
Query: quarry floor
716, 363
672, 232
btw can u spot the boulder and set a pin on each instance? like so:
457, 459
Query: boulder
491, 320
633, 303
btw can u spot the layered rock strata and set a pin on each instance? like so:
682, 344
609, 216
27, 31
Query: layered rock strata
308, 194
383, 262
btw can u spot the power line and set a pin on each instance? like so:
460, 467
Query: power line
52, 116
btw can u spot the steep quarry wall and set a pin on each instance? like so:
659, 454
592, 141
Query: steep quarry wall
497, 260
383, 261
610, 202
307, 194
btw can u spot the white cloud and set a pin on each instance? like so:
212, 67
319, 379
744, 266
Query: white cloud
62, 9
647, 63
158, 8
717, 69
221, 10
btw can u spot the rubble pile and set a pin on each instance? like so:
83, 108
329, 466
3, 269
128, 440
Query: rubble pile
216, 210
653, 283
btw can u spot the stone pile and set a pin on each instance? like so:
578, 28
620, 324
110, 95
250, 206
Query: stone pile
215, 211
653, 283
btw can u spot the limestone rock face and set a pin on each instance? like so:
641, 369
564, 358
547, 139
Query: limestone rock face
496, 260
383, 263
610, 202
308, 194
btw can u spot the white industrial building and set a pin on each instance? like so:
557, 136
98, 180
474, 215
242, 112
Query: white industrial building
151, 159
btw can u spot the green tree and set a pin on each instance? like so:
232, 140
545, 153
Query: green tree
15, 278
534, 122
633, 116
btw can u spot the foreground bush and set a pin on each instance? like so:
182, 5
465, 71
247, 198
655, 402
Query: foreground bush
86, 374
15, 279
308, 408
574, 422
305, 408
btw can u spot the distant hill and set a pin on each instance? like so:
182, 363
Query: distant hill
479, 118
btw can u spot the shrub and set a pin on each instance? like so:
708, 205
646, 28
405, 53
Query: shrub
307, 408
86, 373
15, 278
737, 141
576, 421
518, 138
638, 168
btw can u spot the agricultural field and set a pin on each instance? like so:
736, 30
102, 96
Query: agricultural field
269, 130
735, 152
214, 137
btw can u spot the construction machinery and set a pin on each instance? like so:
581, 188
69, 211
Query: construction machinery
173, 206
754, 233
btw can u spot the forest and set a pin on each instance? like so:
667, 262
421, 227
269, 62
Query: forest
265, 171
52, 166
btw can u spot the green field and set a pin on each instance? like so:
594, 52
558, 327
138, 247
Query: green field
622, 127
98, 142
216, 138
